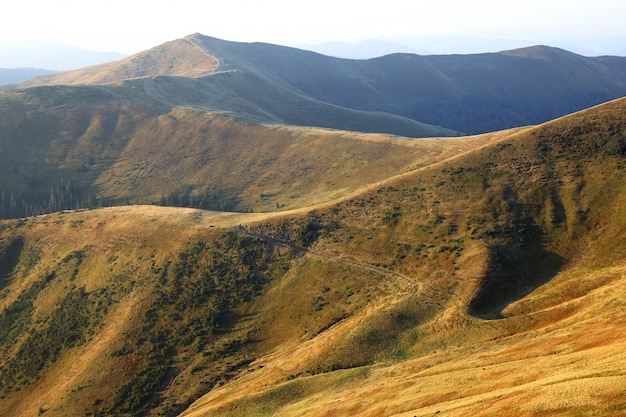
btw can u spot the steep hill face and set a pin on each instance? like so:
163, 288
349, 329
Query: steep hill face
466, 93
491, 283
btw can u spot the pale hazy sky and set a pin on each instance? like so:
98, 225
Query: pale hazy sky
130, 26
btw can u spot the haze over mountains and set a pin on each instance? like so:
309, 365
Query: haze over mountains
361, 256
590, 46
466, 93
50, 55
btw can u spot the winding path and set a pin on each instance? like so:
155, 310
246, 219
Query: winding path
339, 259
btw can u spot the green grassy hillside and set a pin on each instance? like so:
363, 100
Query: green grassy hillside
488, 283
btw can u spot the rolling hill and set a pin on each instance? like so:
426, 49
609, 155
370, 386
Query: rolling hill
106, 134
239, 229
475, 93
488, 280
66, 147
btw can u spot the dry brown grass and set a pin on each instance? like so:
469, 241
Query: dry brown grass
177, 58
556, 351
555, 360
337, 335
548, 366
80, 368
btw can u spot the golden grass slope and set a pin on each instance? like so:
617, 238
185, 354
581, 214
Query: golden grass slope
555, 350
567, 361
119, 248
516, 248
266, 167
177, 58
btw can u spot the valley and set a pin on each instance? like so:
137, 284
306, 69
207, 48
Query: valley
163, 256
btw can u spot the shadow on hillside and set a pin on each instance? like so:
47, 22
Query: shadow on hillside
9, 259
515, 270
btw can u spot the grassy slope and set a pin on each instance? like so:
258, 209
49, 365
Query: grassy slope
339, 327
118, 270
465, 93
119, 149
178, 58
121, 257
486, 227
183, 73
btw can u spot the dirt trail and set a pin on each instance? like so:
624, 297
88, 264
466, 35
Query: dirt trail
346, 261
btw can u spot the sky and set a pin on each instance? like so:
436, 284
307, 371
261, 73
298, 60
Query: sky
130, 26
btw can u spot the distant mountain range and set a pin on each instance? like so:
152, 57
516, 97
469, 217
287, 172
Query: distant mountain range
50, 55
448, 45
464, 93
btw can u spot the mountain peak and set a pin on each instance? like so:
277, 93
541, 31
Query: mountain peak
180, 57
537, 52
222, 74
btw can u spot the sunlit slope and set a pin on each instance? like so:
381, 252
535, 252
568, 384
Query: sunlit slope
80, 291
106, 268
517, 251
178, 58
488, 283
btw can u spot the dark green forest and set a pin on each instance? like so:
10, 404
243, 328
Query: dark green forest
72, 195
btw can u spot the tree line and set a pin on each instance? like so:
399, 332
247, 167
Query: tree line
33, 201
72, 195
